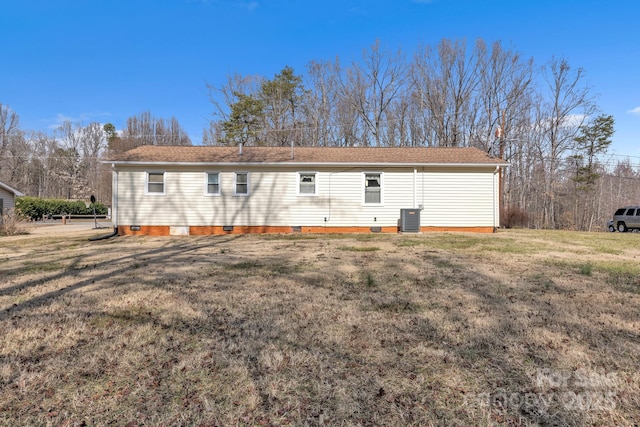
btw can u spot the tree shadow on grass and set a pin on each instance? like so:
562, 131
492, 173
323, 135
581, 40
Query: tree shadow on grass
169, 251
525, 344
319, 346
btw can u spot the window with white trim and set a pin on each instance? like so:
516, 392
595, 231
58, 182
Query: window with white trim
242, 184
155, 182
213, 183
307, 184
372, 188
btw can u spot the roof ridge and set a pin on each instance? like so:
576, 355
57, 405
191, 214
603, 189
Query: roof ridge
167, 154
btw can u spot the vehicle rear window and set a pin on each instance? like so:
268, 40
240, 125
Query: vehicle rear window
620, 211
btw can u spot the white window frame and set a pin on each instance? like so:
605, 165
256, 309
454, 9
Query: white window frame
206, 183
235, 184
298, 182
147, 182
364, 188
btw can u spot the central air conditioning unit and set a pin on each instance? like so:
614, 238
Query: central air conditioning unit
409, 220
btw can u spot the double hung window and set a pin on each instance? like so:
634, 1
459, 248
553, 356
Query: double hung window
372, 188
213, 183
155, 182
307, 184
242, 184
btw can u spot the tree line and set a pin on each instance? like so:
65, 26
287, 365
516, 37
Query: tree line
542, 118
68, 162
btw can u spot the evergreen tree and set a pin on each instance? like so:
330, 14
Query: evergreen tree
594, 139
245, 121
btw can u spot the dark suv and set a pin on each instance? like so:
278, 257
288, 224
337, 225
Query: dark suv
625, 219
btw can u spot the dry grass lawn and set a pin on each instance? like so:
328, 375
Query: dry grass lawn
516, 328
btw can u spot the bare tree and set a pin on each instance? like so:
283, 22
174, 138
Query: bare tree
94, 146
445, 80
503, 121
8, 129
70, 163
282, 99
373, 88
567, 105
43, 147
144, 129
320, 104
504, 92
16, 160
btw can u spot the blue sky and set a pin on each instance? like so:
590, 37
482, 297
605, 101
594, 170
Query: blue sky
99, 60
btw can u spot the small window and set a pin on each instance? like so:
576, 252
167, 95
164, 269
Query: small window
307, 183
620, 211
242, 183
631, 212
155, 182
373, 188
213, 183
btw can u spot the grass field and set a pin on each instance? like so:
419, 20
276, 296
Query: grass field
516, 328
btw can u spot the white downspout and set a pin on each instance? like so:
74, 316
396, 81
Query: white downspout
415, 187
114, 198
496, 214
422, 201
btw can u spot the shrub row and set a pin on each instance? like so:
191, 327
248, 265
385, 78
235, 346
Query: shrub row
35, 208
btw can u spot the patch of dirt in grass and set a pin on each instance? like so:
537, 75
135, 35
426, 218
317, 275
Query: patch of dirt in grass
434, 329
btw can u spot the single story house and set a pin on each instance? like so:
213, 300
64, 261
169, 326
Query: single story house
8, 197
198, 190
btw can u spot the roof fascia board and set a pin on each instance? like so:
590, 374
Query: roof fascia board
11, 190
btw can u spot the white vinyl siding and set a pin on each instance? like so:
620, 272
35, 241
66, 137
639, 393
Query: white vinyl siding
459, 198
450, 196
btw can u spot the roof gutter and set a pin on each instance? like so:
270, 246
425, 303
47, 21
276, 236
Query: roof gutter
11, 190
305, 164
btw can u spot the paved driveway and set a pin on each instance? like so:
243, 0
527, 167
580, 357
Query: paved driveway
70, 227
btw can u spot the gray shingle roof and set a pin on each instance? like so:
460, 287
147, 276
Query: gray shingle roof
150, 154
11, 190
